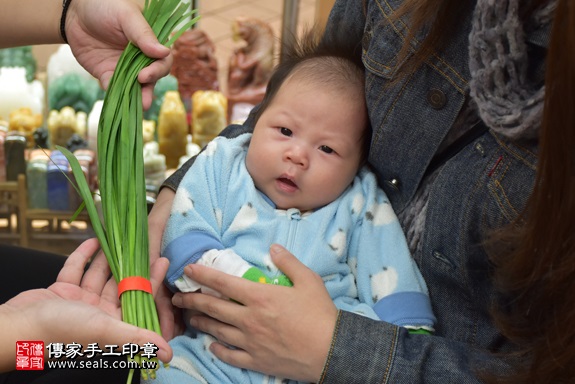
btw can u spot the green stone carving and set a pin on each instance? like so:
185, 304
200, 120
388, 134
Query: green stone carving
19, 57
75, 91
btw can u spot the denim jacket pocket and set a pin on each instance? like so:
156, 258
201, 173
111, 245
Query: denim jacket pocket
484, 187
379, 55
509, 184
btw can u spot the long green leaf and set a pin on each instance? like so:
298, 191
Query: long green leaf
121, 166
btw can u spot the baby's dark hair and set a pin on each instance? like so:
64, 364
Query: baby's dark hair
333, 61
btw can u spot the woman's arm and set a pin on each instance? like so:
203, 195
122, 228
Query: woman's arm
297, 333
27, 22
97, 32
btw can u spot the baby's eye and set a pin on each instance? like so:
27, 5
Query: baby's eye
285, 131
326, 149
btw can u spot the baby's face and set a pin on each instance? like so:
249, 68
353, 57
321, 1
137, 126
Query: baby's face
306, 145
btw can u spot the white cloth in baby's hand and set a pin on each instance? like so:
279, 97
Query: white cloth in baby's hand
225, 260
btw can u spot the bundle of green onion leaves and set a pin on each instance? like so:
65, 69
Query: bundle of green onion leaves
123, 232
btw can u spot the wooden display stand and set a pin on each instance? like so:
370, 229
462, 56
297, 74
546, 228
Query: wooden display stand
14, 202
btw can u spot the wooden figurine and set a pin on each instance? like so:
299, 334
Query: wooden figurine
65, 123
250, 66
148, 131
165, 84
209, 116
172, 128
26, 122
154, 165
195, 65
192, 149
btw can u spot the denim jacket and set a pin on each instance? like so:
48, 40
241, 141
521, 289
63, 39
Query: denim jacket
484, 186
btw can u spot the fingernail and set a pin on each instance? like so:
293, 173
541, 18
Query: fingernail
188, 270
194, 322
274, 249
162, 355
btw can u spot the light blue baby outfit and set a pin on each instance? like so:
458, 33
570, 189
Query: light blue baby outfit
354, 243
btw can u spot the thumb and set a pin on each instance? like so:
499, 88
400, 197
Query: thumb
139, 32
158, 271
289, 264
149, 44
105, 79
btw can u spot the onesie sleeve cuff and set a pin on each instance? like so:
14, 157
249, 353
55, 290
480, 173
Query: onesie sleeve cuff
187, 249
407, 309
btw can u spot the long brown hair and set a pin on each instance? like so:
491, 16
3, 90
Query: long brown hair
538, 276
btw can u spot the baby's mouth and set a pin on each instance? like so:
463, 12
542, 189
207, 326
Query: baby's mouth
287, 184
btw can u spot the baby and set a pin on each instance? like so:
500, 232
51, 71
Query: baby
299, 180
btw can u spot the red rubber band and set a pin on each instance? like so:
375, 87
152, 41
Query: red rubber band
134, 283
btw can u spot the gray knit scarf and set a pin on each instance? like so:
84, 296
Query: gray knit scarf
500, 90
506, 101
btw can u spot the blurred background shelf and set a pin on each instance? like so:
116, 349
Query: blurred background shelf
50, 230
38, 228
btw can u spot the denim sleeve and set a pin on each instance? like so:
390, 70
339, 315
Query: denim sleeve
366, 351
